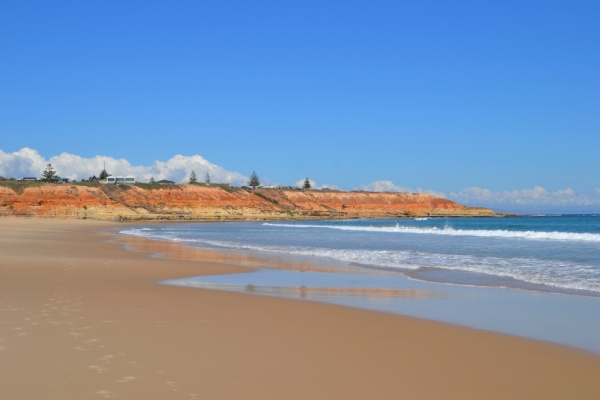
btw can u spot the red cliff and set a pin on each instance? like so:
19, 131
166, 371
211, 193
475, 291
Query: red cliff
195, 202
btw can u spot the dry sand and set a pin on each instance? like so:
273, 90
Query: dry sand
81, 318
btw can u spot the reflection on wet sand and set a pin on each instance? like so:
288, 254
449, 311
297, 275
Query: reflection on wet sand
267, 261
181, 251
543, 316
319, 292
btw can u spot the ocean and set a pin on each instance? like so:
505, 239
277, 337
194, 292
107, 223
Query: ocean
533, 276
548, 253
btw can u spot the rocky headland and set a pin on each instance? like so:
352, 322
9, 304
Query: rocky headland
217, 202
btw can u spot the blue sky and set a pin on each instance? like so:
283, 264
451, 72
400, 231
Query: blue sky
442, 96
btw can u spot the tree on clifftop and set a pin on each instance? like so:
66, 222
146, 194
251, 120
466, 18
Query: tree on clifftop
193, 178
103, 174
306, 184
49, 174
254, 181
152, 180
207, 179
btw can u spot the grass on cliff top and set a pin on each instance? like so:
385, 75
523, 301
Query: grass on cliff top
18, 186
155, 186
223, 186
88, 184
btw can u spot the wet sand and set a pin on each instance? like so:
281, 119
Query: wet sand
82, 318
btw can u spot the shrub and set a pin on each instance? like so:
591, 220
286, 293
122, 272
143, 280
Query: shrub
155, 186
224, 186
266, 198
18, 186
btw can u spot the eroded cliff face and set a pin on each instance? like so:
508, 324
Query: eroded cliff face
193, 202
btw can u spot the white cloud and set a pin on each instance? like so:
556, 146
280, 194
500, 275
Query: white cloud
511, 199
389, 186
538, 196
314, 185
28, 162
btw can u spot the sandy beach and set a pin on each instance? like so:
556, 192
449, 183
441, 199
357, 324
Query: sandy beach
82, 318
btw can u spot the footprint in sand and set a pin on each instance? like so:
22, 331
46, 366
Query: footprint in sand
79, 348
106, 358
172, 385
106, 394
76, 334
126, 379
98, 368
90, 341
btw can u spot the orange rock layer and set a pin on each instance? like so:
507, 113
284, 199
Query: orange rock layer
194, 202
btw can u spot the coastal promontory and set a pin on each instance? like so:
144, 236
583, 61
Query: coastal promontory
216, 202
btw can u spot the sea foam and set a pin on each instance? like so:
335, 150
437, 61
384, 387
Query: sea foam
449, 231
560, 274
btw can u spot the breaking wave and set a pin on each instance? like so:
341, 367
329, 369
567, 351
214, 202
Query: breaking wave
449, 231
559, 274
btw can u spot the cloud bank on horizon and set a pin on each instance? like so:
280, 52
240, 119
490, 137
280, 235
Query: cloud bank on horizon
28, 162
513, 199
538, 196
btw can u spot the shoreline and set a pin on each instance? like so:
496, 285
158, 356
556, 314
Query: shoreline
543, 315
282, 218
357, 267
83, 318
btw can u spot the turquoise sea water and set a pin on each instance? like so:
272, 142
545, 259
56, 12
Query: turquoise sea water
535, 276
